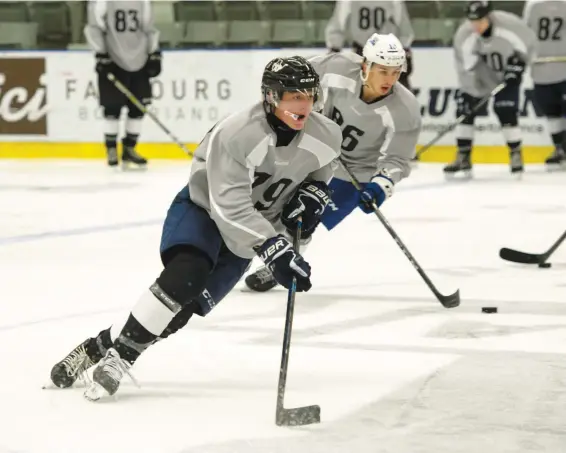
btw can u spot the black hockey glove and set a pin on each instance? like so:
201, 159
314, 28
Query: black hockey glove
514, 70
465, 103
309, 202
153, 64
103, 63
285, 263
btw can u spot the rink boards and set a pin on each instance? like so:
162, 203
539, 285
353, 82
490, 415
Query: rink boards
49, 106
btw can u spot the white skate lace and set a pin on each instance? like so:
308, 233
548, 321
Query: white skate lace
77, 362
115, 368
264, 274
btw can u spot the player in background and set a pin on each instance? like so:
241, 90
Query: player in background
490, 47
356, 21
125, 43
547, 18
252, 176
380, 121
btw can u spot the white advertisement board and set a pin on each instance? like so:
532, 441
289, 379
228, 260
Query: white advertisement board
52, 96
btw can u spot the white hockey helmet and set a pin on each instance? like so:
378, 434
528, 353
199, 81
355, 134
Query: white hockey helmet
385, 50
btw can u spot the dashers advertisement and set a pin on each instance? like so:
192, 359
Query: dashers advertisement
53, 96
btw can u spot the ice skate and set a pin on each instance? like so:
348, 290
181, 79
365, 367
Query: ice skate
107, 376
112, 157
75, 365
557, 160
516, 164
461, 165
261, 280
132, 160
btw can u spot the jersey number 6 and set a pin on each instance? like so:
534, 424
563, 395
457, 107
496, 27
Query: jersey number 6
350, 134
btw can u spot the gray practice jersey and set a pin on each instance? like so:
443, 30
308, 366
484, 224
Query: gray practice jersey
124, 30
355, 21
548, 20
243, 180
379, 135
480, 61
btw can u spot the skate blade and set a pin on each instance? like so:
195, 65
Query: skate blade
465, 175
555, 168
95, 392
517, 176
129, 166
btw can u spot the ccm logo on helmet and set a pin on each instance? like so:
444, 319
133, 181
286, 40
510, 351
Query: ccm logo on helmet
311, 79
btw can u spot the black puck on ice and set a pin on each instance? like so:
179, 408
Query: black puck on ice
489, 309
545, 265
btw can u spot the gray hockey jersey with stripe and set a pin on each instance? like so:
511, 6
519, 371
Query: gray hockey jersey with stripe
356, 21
547, 18
481, 62
243, 180
123, 29
379, 135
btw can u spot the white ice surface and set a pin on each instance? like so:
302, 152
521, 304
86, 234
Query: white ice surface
393, 371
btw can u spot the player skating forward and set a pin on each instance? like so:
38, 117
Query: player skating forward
380, 121
548, 20
252, 176
355, 22
122, 35
491, 47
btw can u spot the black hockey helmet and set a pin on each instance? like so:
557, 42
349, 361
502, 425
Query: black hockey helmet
289, 74
478, 9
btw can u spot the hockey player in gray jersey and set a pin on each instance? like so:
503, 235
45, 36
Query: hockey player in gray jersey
356, 21
380, 121
491, 47
126, 44
253, 175
547, 18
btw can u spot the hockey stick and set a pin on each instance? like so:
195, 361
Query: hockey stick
450, 301
530, 258
297, 416
461, 118
549, 60
122, 88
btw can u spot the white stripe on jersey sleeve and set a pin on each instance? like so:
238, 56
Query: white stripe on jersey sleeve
99, 10
323, 153
256, 157
513, 38
331, 80
469, 58
389, 125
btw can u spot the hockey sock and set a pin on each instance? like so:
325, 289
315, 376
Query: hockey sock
133, 131
556, 132
111, 127
464, 146
514, 146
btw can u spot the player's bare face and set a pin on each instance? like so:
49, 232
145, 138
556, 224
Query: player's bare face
295, 107
480, 25
381, 79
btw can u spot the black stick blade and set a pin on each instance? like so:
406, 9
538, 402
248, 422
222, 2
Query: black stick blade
298, 416
450, 301
520, 257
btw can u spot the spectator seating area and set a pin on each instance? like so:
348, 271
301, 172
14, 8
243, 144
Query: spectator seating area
227, 24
